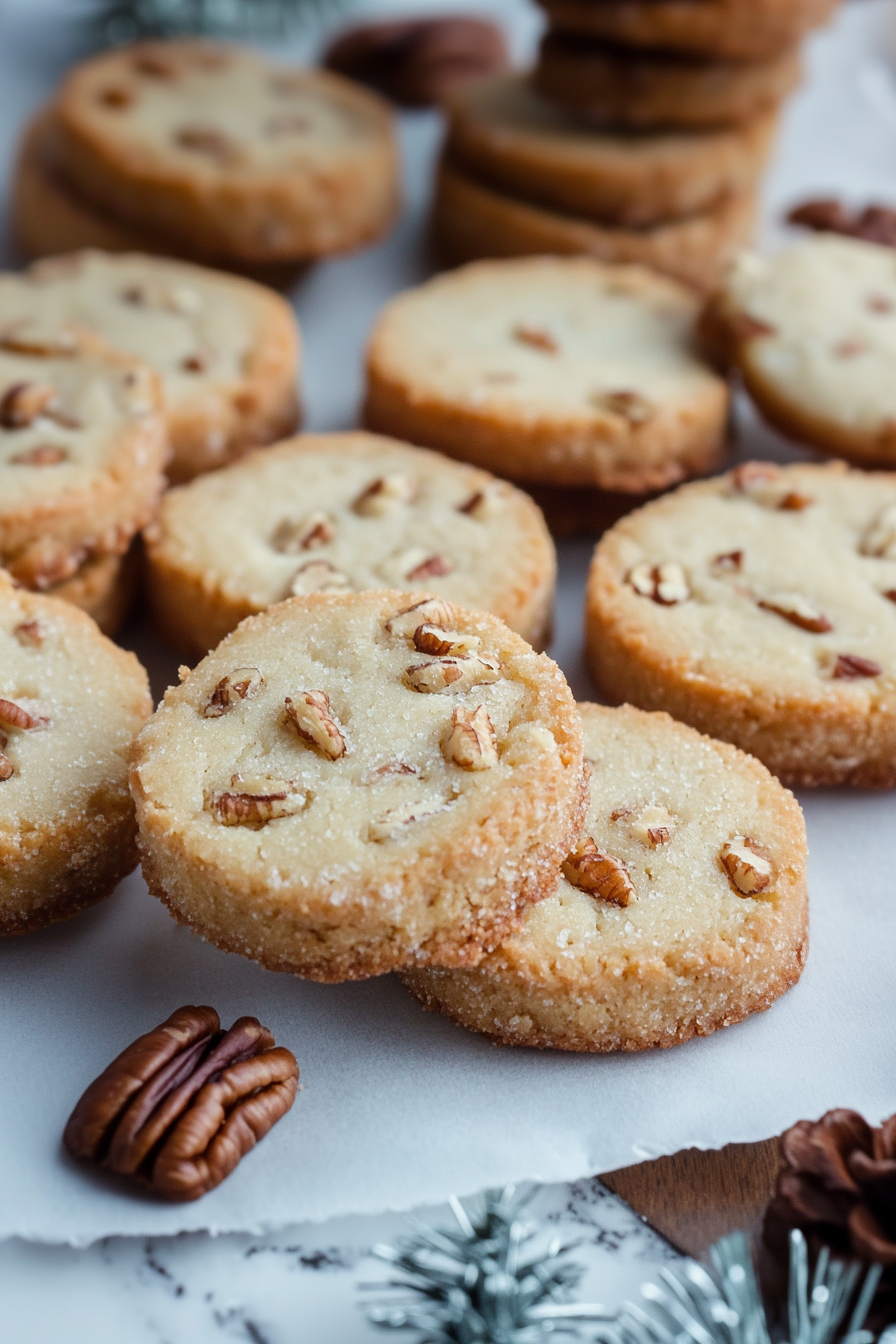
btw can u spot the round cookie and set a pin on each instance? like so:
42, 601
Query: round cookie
82, 448
105, 587
342, 512
761, 608
813, 332
350, 784
71, 704
504, 131
682, 909
225, 154
472, 220
558, 371
741, 30
646, 89
227, 350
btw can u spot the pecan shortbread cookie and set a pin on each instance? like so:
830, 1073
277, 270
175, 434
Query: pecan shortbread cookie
104, 586
226, 155
472, 219
813, 332
504, 130
82, 447
341, 513
227, 349
761, 608
646, 89
71, 704
682, 908
739, 30
558, 371
352, 784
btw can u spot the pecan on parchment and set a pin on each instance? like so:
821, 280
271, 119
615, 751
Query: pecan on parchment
183, 1104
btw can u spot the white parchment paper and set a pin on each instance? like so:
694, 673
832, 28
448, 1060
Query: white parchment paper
399, 1107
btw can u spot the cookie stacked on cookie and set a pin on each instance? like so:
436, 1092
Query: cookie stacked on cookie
640, 135
209, 152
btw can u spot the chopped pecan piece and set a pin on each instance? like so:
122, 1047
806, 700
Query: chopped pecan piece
30, 633
850, 667
653, 826
849, 348
155, 65
482, 504
875, 224
799, 611
630, 406
237, 686
879, 303
115, 96
317, 576
397, 819
795, 501
730, 562
440, 643
256, 801
22, 403
471, 743
14, 716
182, 1105
41, 455
880, 539
431, 567
748, 328
291, 536
431, 611
138, 391
750, 870
314, 721
386, 494
26, 338
598, 874
537, 338
208, 140
7, 770
750, 476
664, 584
389, 769
454, 674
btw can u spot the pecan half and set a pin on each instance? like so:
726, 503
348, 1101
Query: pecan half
254, 802
291, 536
431, 611
440, 643
749, 869
537, 338
471, 743
598, 874
181, 1106
314, 721
242, 684
317, 576
850, 667
665, 584
14, 716
22, 403
452, 674
799, 611
385, 495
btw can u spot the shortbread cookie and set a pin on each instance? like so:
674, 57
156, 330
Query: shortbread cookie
558, 371
646, 89
227, 349
82, 447
226, 155
760, 607
350, 784
105, 587
683, 908
813, 331
339, 513
472, 220
71, 704
739, 30
503, 130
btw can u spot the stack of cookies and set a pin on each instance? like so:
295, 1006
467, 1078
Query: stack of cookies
209, 152
639, 137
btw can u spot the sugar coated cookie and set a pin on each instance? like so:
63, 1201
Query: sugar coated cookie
343, 512
225, 154
739, 30
471, 219
682, 909
504, 131
82, 447
813, 331
227, 349
350, 784
71, 704
760, 607
104, 586
646, 89
558, 371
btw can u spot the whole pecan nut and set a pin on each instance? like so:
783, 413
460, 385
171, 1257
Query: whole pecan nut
181, 1106
418, 62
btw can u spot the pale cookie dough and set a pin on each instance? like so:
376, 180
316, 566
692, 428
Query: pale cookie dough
471, 219
813, 332
650, 90
502, 129
226, 154
557, 371
71, 704
82, 447
352, 784
227, 350
761, 608
725, 29
343, 512
682, 909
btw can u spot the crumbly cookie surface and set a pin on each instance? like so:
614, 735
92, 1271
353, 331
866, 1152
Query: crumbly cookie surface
682, 910
351, 784
559, 371
345, 512
227, 350
761, 608
813, 330
71, 704
226, 153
